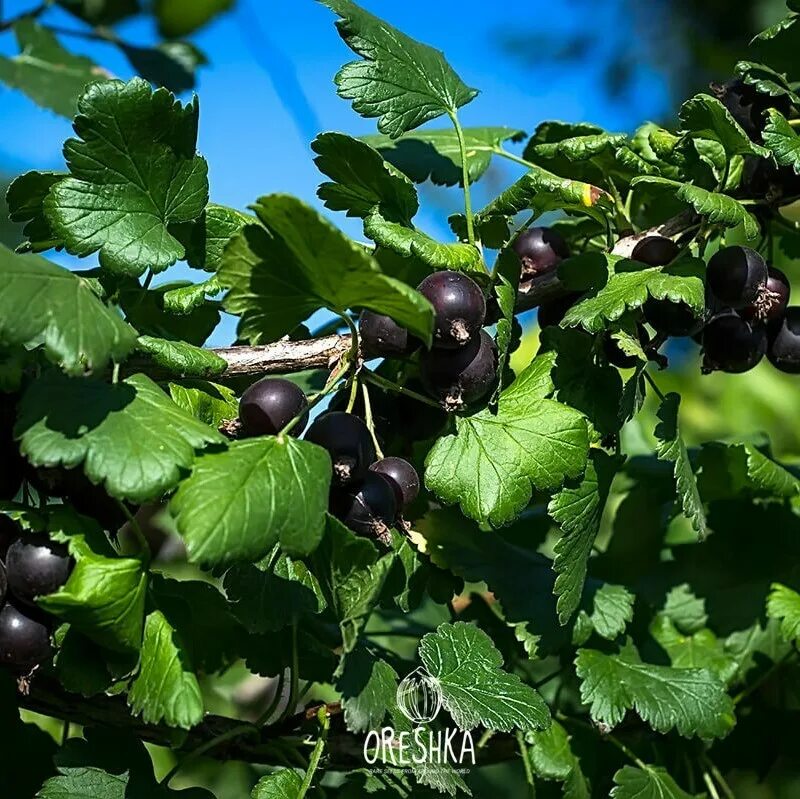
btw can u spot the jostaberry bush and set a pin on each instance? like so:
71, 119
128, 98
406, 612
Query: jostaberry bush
397, 504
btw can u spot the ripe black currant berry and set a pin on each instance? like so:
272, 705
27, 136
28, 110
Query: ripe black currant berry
737, 276
402, 476
382, 337
655, 251
9, 532
24, 639
458, 305
671, 318
731, 344
348, 442
3, 584
462, 377
784, 346
35, 566
552, 312
368, 507
540, 250
772, 302
269, 405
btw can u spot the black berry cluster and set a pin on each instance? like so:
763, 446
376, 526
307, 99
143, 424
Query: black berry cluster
31, 565
367, 495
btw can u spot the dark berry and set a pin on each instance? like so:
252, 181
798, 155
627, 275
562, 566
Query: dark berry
9, 532
24, 639
36, 566
737, 276
462, 377
347, 440
368, 507
402, 476
382, 337
458, 304
784, 346
552, 312
731, 344
3, 583
747, 105
540, 250
772, 302
671, 318
655, 251
269, 405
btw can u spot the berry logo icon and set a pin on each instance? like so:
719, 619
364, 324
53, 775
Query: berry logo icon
419, 696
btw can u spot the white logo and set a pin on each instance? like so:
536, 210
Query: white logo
419, 696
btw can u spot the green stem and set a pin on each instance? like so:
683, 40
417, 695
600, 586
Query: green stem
369, 421
721, 781
267, 714
144, 546
515, 158
293, 677
754, 686
712, 791
315, 399
382, 382
649, 378
526, 762
612, 739
462, 146
322, 717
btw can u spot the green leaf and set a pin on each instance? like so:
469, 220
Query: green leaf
279, 277
180, 358
782, 140
362, 180
475, 689
651, 782
53, 299
185, 299
104, 597
205, 239
352, 575
368, 686
705, 117
766, 80
285, 784
551, 758
612, 610
211, 403
783, 604
25, 200
435, 155
411, 243
51, 76
130, 436
693, 701
617, 285
126, 188
172, 65
237, 504
80, 663
165, 689
400, 81
578, 511
719, 209
266, 598
671, 447
685, 610
495, 459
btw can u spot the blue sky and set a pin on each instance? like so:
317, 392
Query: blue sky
269, 89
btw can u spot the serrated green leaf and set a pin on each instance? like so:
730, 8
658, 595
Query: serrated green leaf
782, 140
578, 511
266, 598
612, 610
400, 81
129, 436
693, 701
278, 278
80, 664
211, 403
134, 171
766, 80
285, 784
705, 117
172, 65
186, 299
685, 610
651, 782
25, 200
180, 358
165, 689
617, 285
475, 690
495, 459
53, 299
237, 504
435, 155
51, 76
362, 180
205, 239
718, 208
671, 447
551, 758
368, 686
783, 604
